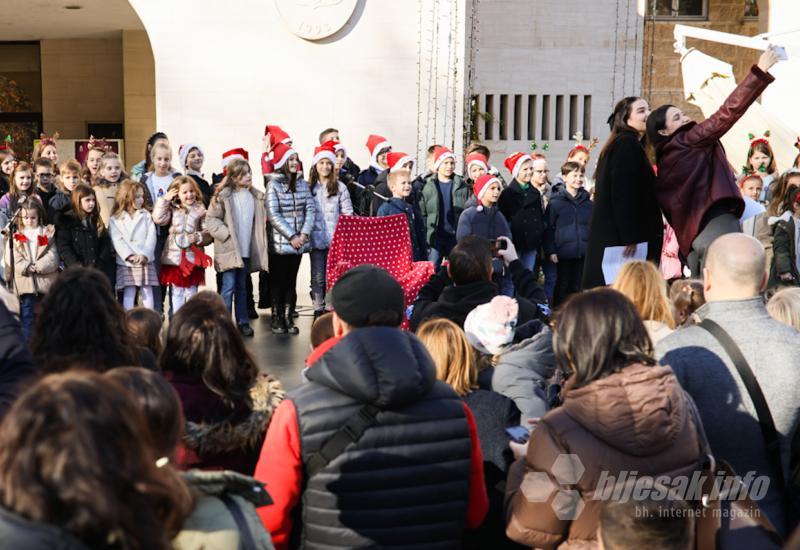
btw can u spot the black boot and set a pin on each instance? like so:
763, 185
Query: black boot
278, 320
293, 306
318, 313
291, 328
263, 290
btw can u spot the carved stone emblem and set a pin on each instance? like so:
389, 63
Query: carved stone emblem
315, 19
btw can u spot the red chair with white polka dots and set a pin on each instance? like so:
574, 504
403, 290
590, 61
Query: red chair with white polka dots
385, 242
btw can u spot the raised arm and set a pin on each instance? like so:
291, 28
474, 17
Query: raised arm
736, 105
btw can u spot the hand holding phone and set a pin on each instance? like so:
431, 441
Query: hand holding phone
518, 434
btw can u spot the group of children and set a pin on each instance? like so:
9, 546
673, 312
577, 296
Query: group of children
772, 210
147, 231
149, 235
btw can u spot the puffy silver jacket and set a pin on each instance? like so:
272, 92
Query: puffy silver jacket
328, 210
290, 214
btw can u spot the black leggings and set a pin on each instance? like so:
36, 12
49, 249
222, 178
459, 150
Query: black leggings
283, 276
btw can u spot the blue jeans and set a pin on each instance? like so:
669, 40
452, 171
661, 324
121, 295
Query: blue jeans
528, 259
234, 282
27, 314
550, 277
319, 264
442, 245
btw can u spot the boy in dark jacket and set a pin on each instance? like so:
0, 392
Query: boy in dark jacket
485, 220
521, 204
400, 186
568, 216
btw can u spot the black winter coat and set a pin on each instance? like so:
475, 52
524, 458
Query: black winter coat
440, 298
625, 207
568, 221
362, 198
382, 189
525, 215
17, 367
416, 225
80, 244
408, 476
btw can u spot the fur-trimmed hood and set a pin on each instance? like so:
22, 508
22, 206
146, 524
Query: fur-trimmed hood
209, 438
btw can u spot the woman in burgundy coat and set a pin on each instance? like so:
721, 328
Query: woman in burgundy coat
696, 187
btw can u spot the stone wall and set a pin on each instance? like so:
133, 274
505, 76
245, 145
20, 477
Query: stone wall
81, 83
544, 70
661, 73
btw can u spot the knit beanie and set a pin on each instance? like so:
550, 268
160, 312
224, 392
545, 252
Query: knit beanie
490, 327
364, 290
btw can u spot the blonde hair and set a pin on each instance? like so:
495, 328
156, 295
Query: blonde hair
158, 146
452, 354
105, 159
784, 306
398, 175
643, 284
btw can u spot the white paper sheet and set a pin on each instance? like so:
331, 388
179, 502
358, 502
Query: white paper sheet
613, 260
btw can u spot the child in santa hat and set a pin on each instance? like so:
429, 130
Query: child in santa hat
347, 167
485, 220
396, 161
521, 204
442, 199
379, 148
191, 162
401, 189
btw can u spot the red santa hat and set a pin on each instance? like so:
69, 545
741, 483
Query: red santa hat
276, 136
325, 151
397, 160
476, 158
482, 185
376, 144
227, 156
185, 149
440, 154
514, 162
281, 154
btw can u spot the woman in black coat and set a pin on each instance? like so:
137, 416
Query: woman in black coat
625, 208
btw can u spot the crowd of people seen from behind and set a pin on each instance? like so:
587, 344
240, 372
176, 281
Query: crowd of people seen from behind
517, 399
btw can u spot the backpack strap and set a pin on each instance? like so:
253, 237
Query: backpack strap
349, 433
245, 536
768, 431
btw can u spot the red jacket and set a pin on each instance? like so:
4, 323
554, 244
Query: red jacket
693, 172
280, 468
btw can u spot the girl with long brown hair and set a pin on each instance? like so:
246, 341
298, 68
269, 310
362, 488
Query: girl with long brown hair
642, 284
331, 199
81, 236
625, 209
237, 220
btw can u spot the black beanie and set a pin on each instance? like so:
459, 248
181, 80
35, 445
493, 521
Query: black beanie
364, 291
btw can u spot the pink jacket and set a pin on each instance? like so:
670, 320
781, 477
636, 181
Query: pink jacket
186, 228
